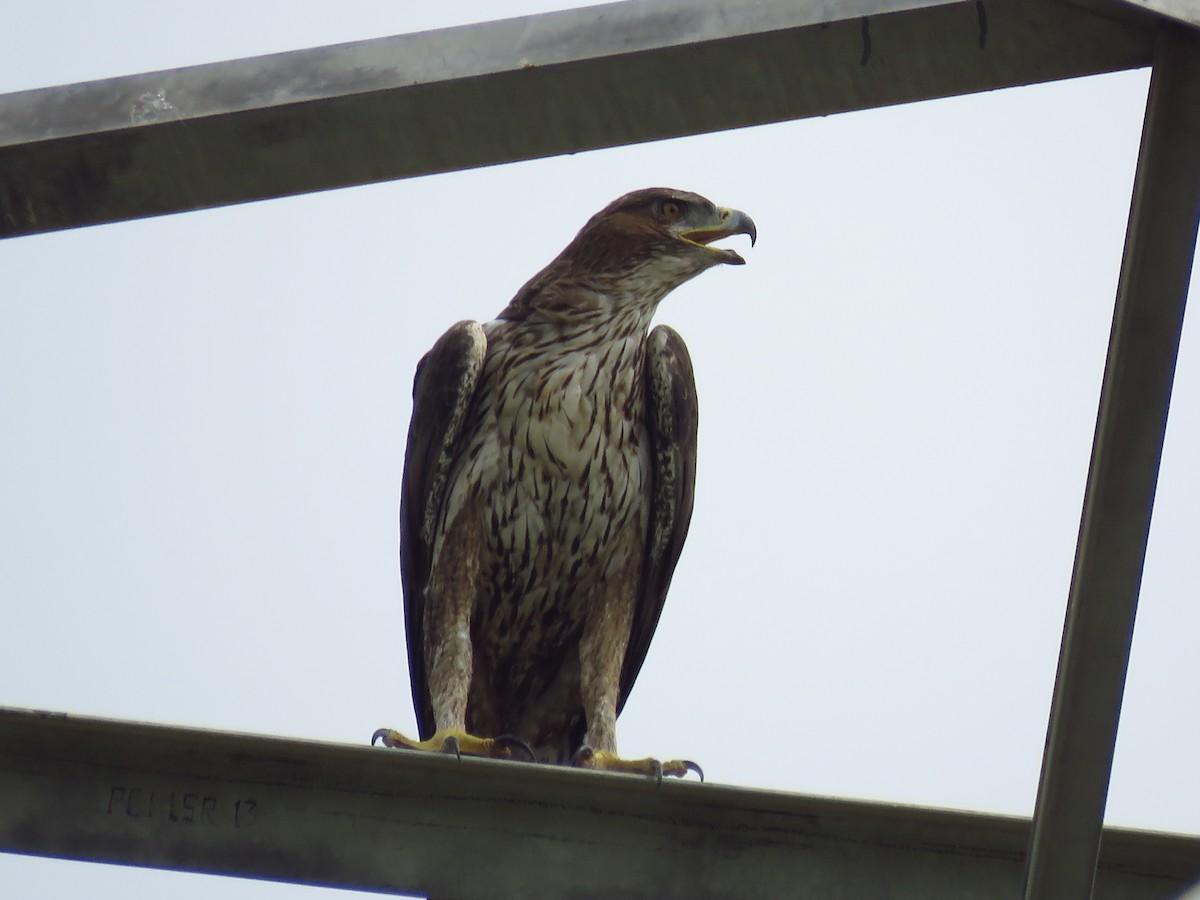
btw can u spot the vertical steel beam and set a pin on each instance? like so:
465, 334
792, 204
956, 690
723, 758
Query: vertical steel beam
1143, 345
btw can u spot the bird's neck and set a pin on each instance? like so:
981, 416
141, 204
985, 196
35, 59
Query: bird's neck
583, 313
617, 334
607, 301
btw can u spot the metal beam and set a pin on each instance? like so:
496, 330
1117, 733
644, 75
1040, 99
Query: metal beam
1184, 11
1130, 427
509, 90
356, 817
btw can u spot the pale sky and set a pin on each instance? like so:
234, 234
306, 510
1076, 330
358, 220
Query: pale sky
204, 420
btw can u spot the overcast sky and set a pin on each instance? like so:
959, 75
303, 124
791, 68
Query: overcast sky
204, 417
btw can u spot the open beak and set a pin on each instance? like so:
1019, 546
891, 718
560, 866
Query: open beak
728, 223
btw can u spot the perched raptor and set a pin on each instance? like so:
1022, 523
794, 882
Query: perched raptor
548, 489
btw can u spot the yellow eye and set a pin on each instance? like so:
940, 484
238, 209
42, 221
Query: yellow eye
671, 210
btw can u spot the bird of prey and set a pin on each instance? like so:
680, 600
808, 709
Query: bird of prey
547, 491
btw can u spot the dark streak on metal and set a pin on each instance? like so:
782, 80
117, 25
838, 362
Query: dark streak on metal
983, 25
866, 41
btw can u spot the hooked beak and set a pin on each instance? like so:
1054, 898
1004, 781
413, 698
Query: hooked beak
728, 223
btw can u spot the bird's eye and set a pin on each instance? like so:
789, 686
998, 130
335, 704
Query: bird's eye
672, 210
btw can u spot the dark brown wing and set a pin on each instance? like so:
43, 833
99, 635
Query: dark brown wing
442, 391
671, 419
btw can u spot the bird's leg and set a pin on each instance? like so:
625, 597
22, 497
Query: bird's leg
450, 599
587, 758
449, 649
602, 652
460, 743
601, 655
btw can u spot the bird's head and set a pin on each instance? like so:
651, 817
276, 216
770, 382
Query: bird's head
640, 247
659, 225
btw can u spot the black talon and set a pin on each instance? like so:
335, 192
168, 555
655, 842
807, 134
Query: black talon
450, 744
512, 740
690, 766
381, 735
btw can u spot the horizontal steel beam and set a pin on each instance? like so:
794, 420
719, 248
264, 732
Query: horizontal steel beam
358, 817
1130, 428
1184, 11
517, 89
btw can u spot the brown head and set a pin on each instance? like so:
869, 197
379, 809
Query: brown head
641, 247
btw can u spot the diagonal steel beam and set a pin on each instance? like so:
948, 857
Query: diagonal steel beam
1119, 498
517, 89
354, 817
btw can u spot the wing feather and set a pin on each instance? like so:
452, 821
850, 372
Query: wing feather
443, 388
671, 421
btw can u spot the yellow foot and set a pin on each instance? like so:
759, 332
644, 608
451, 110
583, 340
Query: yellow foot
453, 740
587, 758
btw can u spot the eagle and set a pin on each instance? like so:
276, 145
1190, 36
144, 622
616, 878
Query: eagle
547, 491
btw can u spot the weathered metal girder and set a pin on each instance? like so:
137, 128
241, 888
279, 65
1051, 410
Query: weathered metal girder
517, 89
358, 817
